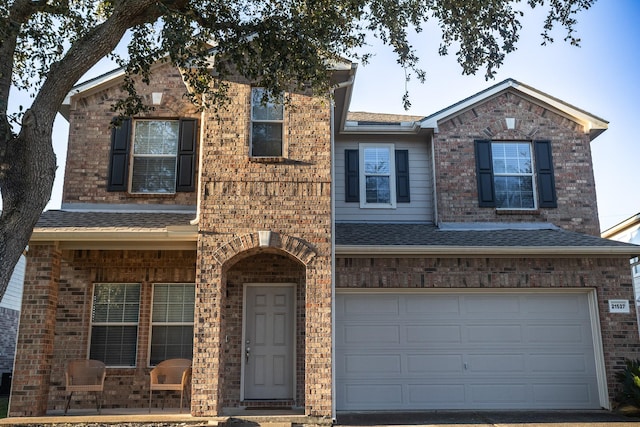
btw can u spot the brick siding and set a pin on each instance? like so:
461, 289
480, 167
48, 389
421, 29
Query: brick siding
89, 146
455, 163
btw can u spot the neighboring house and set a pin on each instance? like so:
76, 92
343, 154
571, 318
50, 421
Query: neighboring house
9, 316
628, 231
304, 256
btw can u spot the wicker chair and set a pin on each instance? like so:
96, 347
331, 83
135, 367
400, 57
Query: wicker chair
85, 375
171, 374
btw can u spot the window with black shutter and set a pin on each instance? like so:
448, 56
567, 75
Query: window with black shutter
377, 176
515, 174
152, 156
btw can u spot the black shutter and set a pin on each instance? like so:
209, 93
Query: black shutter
484, 173
544, 171
186, 173
352, 176
119, 158
402, 176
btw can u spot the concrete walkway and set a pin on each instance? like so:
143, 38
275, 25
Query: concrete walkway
490, 418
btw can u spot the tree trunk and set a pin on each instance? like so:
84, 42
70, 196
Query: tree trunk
27, 181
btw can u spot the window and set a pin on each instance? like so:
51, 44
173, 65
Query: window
515, 175
155, 147
377, 182
377, 176
114, 323
153, 156
172, 322
267, 122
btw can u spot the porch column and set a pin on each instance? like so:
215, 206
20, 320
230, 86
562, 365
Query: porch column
207, 381
34, 352
318, 338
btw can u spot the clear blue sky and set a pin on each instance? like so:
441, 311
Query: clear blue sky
602, 77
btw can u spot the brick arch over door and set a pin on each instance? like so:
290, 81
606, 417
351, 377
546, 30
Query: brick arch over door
295, 247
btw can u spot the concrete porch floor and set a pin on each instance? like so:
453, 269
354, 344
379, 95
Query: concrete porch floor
167, 417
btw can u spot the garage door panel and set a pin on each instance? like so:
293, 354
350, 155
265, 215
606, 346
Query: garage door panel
494, 333
383, 305
358, 364
422, 334
481, 306
498, 394
373, 333
553, 334
424, 306
464, 351
373, 395
428, 395
576, 395
577, 363
434, 363
496, 362
563, 306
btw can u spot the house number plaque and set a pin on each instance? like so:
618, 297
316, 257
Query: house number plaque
618, 306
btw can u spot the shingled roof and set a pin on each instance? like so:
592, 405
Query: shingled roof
426, 238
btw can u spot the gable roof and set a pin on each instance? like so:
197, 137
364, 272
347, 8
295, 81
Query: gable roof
592, 124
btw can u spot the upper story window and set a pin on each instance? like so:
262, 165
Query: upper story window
114, 323
153, 156
515, 174
155, 150
377, 176
267, 123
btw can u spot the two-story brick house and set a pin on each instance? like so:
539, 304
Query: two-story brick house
304, 256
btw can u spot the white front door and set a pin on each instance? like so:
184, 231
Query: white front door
268, 342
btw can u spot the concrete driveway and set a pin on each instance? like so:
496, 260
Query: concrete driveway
489, 418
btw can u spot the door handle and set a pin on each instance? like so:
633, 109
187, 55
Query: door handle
247, 351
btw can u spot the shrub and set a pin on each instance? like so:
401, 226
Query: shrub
630, 379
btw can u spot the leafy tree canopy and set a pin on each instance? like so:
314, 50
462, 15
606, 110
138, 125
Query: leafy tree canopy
46, 46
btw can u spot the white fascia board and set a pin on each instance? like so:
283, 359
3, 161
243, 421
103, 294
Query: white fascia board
172, 238
499, 251
593, 125
352, 127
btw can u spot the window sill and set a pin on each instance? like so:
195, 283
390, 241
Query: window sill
274, 159
517, 211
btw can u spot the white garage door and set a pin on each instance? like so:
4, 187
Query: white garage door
397, 351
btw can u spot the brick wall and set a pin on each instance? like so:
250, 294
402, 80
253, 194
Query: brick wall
289, 196
455, 163
89, 144
124, 387
35, 345
610, 277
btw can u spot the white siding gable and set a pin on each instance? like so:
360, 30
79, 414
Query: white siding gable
420, 209
13, 295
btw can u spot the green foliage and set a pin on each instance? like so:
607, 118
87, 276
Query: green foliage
4, 406
275, 43
630, 380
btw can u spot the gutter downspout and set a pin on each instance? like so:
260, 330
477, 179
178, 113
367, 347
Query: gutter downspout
333, 244
196, 220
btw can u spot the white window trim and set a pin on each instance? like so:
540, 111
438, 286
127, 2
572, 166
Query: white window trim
152, 323
392, 176
133, 155
532, 175
137, 324
281, 121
